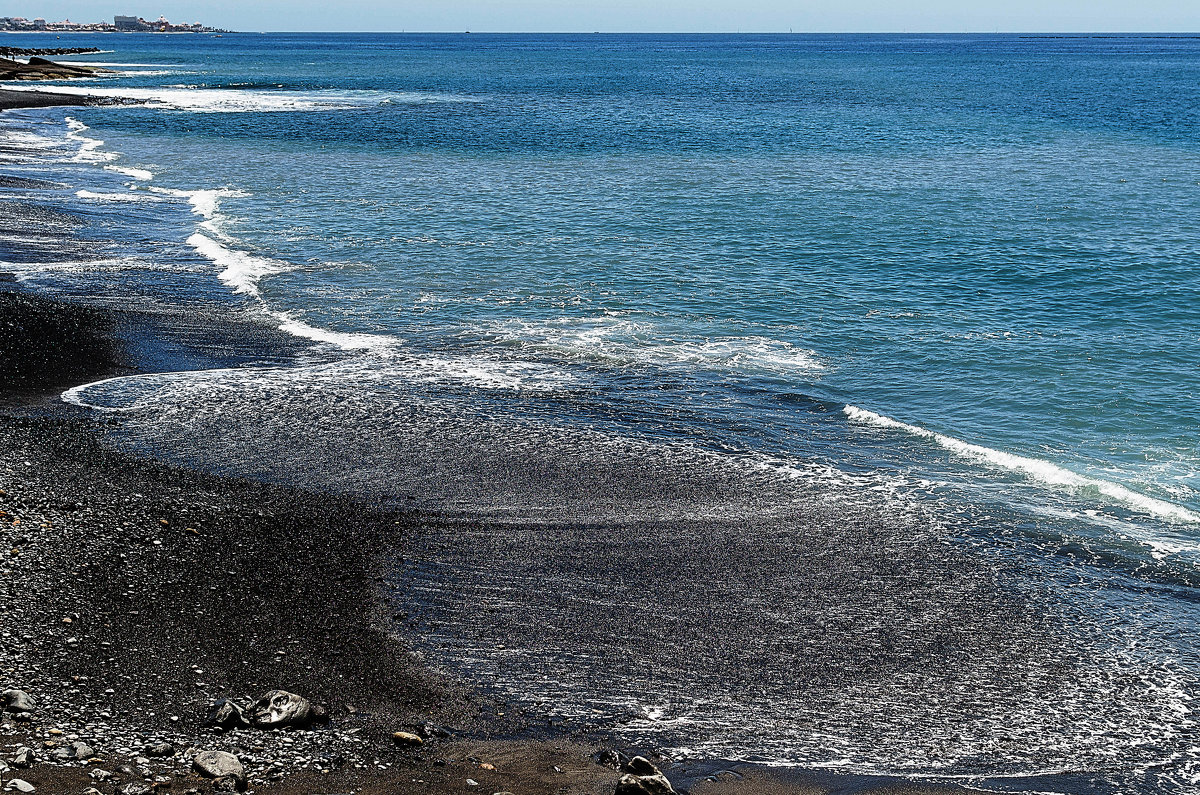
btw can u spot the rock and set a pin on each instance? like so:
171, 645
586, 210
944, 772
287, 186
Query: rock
225, 713
20, 785
406, 738
81, 750
278, 708
159, 749
17, 701
428, 731
644, 785
135, 788
23, 757
641, 766
610, 758
219, 765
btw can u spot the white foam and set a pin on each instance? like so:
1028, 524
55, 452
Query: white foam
240, 270
225, 100
204, 202
116, 197
349, 341
87, 146
1034, 469
615, 340
140, 174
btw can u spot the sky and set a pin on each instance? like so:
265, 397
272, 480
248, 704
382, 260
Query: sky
924, 16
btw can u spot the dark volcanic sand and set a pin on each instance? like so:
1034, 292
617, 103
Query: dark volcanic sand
10, 100
134, 592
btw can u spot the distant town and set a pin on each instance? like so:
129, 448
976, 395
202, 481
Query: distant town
120, 24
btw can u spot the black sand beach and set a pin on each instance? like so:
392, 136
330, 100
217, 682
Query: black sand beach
136, 593
11, 100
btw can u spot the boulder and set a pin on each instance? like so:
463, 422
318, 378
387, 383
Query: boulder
159, 749
644, 785
17, 701
220, 765
278, 708
225, 713
23, 757
20, 785
75, 751
641, 766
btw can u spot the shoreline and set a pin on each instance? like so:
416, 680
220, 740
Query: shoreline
147, 591
16, 100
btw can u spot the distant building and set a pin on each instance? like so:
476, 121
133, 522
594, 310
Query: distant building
39, 24
130, 23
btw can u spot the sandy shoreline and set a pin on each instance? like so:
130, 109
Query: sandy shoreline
12, 100
142, 592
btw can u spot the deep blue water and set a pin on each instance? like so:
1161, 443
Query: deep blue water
950, 275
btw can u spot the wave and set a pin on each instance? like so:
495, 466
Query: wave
622, 341
139, 174
117, 197
240, 270
1034, 469
87, 146
197, 99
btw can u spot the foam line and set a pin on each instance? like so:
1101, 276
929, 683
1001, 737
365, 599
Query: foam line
1033, 468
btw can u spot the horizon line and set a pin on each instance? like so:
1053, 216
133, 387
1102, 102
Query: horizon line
1160, 33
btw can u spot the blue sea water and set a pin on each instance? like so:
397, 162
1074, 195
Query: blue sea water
952, 277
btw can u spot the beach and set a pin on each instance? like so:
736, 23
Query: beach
532, 413
137, 594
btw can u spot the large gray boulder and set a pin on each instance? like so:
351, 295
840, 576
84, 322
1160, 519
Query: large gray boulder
644, 785
17, 701
220, 765
278, 708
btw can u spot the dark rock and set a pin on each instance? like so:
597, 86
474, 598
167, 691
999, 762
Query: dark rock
610, 758
226, 714
644, 785
429, 731
641, 766
17, 701
159, 749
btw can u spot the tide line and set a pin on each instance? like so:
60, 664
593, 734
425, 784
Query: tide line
1032, 468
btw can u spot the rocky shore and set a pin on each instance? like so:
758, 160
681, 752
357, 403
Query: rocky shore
41, 69
169, 630
25, 52
12, 100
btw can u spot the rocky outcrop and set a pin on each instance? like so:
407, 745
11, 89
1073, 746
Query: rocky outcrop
41, 69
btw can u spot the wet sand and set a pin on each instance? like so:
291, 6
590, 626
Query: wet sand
139, 592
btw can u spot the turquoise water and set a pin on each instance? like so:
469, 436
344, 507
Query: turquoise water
957, 271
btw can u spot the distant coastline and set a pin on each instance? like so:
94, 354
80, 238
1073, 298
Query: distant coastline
120, 24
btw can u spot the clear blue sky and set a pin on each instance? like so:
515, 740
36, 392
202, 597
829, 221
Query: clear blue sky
641, 15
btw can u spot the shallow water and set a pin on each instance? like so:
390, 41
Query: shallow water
895, 336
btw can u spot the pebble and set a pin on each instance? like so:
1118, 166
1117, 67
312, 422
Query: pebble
406, 738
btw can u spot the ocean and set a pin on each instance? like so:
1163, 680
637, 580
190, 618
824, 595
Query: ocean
813, 400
